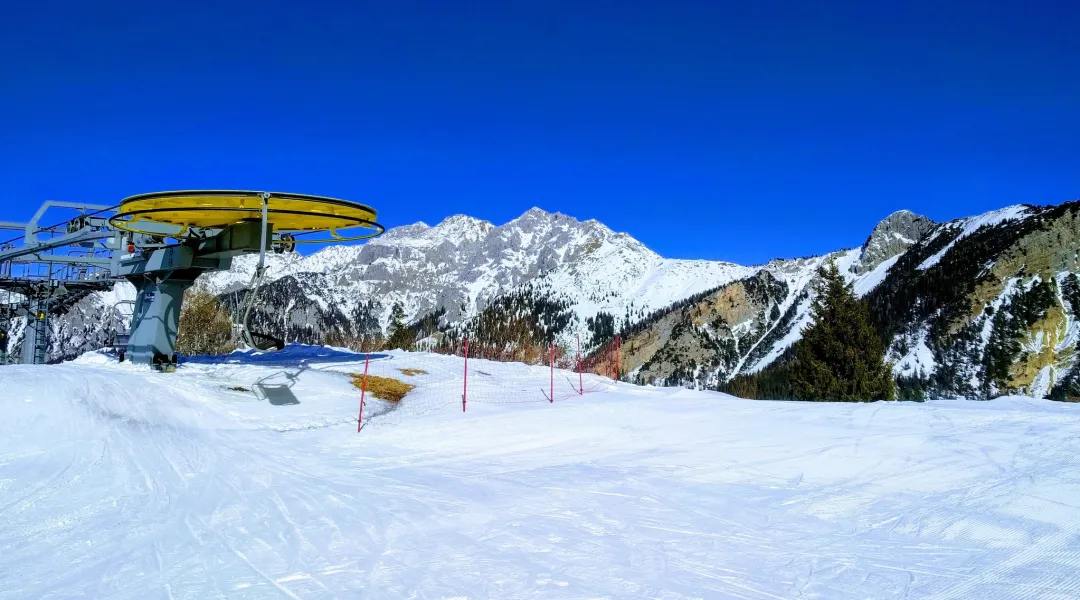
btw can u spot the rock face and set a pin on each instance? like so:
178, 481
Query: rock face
707, 337
981, 306
976, 307
893, 235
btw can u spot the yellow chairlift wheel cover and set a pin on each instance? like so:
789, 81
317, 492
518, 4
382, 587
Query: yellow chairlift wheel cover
218, 209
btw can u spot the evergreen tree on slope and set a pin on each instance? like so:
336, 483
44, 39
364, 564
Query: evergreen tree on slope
400, 334
840, 356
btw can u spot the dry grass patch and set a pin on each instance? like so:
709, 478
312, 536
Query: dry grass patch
383, 388
411, 372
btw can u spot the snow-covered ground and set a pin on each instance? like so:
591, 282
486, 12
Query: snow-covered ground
118, 482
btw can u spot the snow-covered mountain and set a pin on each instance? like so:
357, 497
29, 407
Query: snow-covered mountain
975, 307
461, 273
746, 325
463, 263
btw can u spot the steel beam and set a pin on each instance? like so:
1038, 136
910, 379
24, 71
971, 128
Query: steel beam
61, 259
57, 242
32, 227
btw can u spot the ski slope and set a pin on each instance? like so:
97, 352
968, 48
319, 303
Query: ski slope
118, 482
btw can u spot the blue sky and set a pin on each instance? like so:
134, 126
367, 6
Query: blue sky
735, 131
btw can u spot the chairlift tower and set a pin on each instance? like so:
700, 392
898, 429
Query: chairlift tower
47, 268
161, 242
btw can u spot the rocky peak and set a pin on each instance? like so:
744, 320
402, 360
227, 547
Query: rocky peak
894, 234
534, 219
535, 212
459, 228
454, 229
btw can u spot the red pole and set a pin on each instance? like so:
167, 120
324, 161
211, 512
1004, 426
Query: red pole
581, 388
465, 385
614, 366
616, 358
363, 388
551, 389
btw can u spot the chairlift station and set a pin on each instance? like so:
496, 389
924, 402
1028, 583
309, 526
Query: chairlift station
160, 242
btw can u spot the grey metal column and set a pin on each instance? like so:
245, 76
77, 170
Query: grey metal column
156, 318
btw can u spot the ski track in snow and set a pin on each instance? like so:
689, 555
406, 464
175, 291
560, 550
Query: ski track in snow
123, 483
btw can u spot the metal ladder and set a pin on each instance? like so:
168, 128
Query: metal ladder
41, 332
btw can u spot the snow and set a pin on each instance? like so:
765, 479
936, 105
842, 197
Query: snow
799, 274
919, 359
455, 229
116, 298
846, 261
596, 268
116, 481
1042, 383
864, 284
972, 224
464, 258
463, 263
641, 290
1071, 339
803, 319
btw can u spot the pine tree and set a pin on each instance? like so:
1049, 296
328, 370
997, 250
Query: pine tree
401, 336
840, 356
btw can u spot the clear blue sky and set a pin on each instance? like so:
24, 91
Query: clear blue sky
736, 131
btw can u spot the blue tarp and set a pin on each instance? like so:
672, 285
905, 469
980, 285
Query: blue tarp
291, 355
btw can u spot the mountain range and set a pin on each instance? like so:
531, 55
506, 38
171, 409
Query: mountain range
972, 307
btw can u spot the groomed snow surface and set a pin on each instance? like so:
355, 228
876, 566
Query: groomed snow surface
118, 482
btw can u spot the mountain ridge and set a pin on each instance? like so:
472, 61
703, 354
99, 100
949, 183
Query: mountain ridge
460, 267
